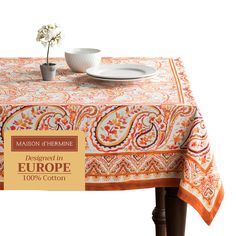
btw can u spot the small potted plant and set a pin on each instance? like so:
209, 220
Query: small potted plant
48, 35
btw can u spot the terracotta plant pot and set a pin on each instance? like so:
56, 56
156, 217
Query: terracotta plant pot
48, 71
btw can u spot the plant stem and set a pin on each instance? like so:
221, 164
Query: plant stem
49, 44
48, 51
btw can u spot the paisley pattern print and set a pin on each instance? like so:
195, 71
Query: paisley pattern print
138, 135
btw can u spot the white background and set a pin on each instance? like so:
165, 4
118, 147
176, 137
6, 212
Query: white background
201, 32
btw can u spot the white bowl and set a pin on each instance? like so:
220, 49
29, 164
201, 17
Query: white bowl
80, 59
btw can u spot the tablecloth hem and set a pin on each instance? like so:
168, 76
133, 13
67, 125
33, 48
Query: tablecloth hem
128, 185
132, 184
196, 204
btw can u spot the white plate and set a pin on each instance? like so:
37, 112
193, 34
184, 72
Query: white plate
120, 80
121, 72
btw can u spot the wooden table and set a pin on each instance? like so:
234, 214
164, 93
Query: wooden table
144, 134
169, 215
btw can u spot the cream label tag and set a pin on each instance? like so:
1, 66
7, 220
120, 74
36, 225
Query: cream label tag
44, 160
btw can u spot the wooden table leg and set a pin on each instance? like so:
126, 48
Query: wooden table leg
175, 213
159, 214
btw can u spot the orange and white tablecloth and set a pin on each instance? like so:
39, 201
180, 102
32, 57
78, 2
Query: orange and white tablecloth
138, 135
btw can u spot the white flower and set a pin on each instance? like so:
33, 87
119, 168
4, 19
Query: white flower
49, 35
